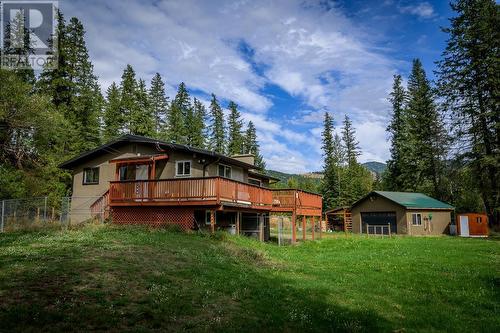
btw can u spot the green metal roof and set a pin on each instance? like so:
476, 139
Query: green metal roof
412, 200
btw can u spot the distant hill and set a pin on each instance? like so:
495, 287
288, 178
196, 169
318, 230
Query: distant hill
375, 167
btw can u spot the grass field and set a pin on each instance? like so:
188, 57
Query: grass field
135, 279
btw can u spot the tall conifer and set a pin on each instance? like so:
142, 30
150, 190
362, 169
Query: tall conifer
235, 137
217, 129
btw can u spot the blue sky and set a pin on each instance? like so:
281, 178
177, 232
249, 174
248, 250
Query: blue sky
284, 63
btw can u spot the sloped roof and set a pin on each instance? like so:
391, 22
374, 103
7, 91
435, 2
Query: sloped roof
411, 200
129, 138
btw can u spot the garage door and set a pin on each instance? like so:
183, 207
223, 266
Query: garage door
373, 219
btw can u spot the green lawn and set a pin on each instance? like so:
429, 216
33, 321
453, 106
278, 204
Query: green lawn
135, 279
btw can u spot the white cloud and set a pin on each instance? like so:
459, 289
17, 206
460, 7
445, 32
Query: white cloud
423, 10
317, 56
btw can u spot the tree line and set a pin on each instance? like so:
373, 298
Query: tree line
445, 135
49, 118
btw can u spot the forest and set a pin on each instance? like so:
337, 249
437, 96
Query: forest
444, 133
48, 118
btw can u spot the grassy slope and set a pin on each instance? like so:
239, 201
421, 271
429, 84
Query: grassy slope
135, 279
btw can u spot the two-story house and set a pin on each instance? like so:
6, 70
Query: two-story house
139, 180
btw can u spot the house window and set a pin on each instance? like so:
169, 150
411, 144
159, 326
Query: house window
224, 171
183, 168
90, 176
416, 219
254, 181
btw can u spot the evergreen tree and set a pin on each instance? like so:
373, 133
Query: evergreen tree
469, 81
338, 151
252, 146
235, 137
128, 99
426, 134
112, 117
179, 110
330, 187
351, 145
197, 125
217, 131
142, 121
159, 105
398, 131
355, 180
74, 88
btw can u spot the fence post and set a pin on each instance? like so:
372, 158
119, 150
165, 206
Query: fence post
3, 215
45, 210
389, 225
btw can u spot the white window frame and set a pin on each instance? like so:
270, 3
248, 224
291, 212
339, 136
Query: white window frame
256, 179
84, 180
183, 162
225, 170
416, 219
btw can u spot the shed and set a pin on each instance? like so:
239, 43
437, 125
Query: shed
472, 225
339, 219
407, 213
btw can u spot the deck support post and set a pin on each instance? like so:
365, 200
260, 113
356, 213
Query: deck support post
294, 228
313, 225
212, 221
304, 224
238, 223
261, 227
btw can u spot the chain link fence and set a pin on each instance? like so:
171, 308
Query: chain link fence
42, 212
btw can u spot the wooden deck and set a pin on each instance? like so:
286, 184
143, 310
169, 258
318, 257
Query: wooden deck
212, 191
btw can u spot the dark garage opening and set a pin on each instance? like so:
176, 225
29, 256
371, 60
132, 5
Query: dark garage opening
374, 219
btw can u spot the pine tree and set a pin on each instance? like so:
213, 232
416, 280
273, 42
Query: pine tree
128, 98
159, 105
351, 145
235, 137
330, 186
427, 134
469, 81
197, 128
338, 151
112, 117
355, 180
179, 110
142, 121
74, 88
398, 131
252, 146
217, 131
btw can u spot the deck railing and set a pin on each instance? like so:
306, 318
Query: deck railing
209, 190
289, 198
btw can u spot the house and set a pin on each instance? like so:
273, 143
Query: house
401, 213
139, 180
